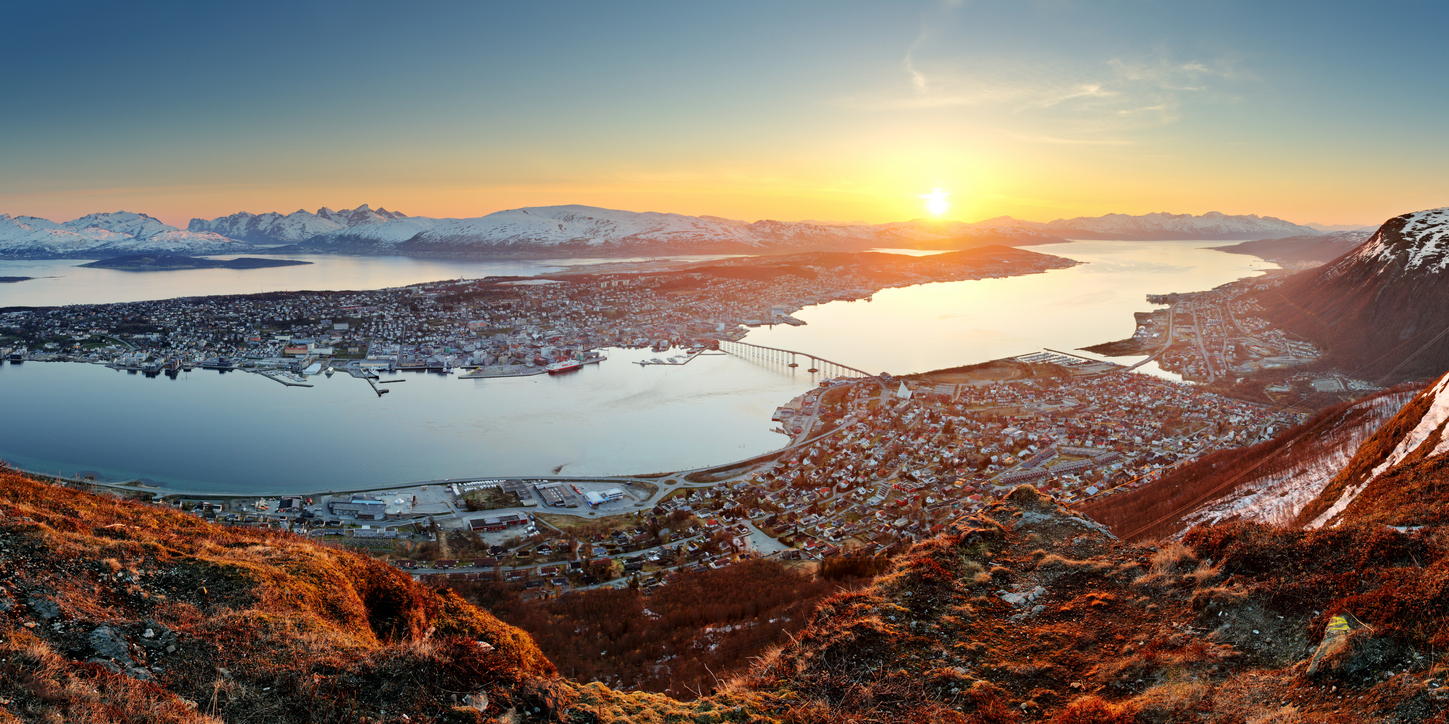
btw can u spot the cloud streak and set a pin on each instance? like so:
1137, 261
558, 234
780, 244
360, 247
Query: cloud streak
1071, 102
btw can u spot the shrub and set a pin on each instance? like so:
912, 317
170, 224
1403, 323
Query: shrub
1094, 710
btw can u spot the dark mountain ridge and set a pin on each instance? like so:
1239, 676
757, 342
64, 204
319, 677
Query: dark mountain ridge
1382, 310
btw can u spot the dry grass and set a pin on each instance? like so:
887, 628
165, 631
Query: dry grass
1094, 710
1175, 701
271, 610
270, 628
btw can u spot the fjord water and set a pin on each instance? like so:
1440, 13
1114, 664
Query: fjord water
57, 282
240, 432
934, 326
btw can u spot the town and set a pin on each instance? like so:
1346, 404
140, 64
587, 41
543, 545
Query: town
485, 327
875, 464
1218, 338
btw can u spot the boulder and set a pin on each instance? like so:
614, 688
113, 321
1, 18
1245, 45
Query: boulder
1352, 652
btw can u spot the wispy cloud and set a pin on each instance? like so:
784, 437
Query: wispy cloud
1122, 93
1028, 138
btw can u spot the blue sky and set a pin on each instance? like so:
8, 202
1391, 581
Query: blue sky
1329, 112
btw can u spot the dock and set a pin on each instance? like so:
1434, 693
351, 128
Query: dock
675, 361
482, 373
286, 378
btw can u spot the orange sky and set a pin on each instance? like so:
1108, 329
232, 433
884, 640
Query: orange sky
838, 111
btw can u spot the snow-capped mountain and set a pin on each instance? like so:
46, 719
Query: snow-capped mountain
1383, 307
102, 235
300, 225
1163, 226
1417, 241
574, 229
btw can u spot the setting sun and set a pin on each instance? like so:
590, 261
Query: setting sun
936, 202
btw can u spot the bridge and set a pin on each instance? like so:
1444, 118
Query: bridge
790, 358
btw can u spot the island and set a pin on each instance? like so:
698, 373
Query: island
12, 280
171, 262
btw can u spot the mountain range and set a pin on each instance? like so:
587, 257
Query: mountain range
102, 235
560, 230
586, 229
581, 230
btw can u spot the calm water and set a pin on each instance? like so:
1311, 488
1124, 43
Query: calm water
211, 431
206, 430
934, 326
58, 282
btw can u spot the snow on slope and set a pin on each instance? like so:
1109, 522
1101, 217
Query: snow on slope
299, 225
577, 228
107, 234
585, 228
557, 225
1277, 498
1419, 240
1431, 426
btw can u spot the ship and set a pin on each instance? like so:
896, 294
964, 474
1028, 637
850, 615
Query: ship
567, 365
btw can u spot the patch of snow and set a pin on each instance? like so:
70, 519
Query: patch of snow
1278, 498
1433, 419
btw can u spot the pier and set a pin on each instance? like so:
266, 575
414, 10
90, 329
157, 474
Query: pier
791, 358
286, 378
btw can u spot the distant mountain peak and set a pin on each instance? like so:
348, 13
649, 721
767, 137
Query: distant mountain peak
105, 234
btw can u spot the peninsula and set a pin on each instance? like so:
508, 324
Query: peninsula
172, 262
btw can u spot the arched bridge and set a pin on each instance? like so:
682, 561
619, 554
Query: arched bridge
791, 358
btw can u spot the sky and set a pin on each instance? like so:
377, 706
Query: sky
1326, 112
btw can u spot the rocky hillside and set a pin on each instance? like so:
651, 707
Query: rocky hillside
125, 612
1383, 309
113, 611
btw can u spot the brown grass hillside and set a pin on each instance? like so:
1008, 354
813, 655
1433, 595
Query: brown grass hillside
114, 611
122, 611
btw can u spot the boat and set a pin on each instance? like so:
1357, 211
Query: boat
793, 364
564, 366
812, 369
329, 371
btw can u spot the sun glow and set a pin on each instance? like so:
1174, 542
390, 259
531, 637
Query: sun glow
936, 202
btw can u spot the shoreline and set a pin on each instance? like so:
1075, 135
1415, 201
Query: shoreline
162, 490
